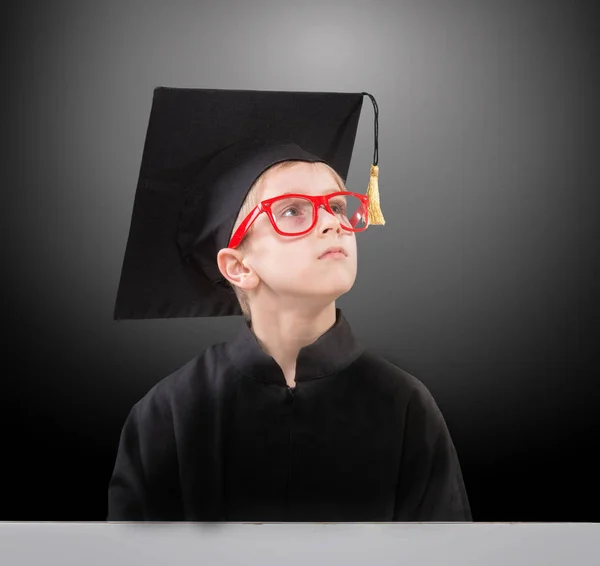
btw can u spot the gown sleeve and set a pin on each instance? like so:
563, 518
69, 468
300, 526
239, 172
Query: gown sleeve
430, 486
144, 483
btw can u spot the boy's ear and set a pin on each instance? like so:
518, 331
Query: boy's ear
233, 267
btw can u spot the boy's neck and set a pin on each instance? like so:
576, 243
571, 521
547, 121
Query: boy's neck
281, 334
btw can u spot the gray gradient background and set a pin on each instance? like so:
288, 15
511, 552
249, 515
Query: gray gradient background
483, 283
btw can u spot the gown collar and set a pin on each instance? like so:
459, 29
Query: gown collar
337, 348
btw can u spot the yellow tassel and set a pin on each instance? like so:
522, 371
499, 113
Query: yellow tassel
375, 214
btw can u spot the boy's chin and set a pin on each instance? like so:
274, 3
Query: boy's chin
327, 295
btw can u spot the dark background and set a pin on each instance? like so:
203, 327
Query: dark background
483, 283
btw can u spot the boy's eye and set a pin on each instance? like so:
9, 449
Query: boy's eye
338, 206
292, 208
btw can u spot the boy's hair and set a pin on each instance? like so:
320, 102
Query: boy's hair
250, 202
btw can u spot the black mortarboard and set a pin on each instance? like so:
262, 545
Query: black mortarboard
204, 149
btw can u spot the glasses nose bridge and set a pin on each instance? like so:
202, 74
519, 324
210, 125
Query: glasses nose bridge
322, 202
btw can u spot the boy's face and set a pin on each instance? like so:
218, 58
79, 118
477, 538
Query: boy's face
290, 267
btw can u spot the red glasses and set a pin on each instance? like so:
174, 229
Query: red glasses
296, 214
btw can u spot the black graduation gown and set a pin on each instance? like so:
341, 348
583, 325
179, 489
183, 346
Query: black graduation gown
225, 439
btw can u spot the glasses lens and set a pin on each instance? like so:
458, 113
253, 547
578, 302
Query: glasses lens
349, 210
293, 215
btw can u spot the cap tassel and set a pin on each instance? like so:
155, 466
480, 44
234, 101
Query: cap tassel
375, 214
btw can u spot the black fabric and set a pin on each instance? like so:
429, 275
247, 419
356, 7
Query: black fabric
204, 149
225, 439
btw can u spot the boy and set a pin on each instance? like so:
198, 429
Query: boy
292, 420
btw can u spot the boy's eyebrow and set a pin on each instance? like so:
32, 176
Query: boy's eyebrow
329, 191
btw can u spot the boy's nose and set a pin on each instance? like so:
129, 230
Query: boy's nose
328, 218
322, 207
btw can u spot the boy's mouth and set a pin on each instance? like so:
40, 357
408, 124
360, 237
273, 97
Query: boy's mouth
334, 251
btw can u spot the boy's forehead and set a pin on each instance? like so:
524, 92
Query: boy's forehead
305, 178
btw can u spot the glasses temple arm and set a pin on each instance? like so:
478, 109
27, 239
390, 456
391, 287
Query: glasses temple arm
244, 226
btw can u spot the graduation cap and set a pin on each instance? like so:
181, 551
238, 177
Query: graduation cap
204, 149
